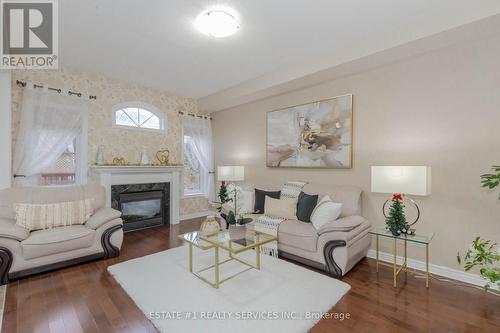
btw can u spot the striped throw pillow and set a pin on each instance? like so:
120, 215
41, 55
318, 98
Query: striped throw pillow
47, 216
292, 189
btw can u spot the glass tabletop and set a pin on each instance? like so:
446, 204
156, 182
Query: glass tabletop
194, 238
238, 242
416, 238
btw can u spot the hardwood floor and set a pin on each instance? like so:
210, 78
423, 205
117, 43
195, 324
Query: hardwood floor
85, 298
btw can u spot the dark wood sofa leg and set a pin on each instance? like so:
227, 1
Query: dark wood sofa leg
110, 251
331, 266
5, 263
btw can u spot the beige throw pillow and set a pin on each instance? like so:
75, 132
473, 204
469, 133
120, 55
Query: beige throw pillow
283, 208
47, 216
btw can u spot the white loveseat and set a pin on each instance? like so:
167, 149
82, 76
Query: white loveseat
24, 253
337, 246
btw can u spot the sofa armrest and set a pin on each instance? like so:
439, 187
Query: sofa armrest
102, 216
9, 229
344, 224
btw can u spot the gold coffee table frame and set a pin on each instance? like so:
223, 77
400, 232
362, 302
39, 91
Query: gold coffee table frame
396, 269
220, 240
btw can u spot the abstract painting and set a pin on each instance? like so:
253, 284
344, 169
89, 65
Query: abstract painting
313, 135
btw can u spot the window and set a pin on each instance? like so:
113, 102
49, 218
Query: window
193, 171
63, 171
139, 116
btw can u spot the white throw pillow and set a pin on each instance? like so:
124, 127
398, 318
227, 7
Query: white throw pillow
47, 216
325, 211
283, 208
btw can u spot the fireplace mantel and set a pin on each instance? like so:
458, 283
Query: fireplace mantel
124, 175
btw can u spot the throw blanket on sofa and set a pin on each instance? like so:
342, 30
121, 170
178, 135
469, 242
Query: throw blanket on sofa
268, 225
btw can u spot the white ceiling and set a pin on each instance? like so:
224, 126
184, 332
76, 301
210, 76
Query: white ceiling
154, 42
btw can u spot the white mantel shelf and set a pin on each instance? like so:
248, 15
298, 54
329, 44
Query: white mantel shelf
109, 175
135, 168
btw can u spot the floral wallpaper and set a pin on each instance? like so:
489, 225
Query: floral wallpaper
117, 142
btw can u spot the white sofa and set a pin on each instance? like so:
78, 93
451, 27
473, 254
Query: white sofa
24, 253
337, 246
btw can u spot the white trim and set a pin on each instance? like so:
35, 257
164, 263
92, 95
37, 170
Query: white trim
446, 272
140, 105
195, 215
5, 130
194, 195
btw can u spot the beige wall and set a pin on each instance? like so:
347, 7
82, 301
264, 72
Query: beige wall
440, 109
127, 143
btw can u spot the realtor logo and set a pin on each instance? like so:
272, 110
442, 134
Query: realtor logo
29, 34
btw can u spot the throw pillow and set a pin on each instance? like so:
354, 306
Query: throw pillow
47, 216
283, 208
260, 199
305, 206
326, 211
292, 189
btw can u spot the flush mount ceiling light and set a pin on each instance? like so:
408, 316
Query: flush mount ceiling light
217, 23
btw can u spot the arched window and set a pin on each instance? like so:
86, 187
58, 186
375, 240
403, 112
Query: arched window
138, 115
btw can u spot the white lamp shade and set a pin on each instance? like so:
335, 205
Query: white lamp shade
414, 180
231, 173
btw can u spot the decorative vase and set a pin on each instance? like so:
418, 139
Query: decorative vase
99, 159
144, 160
395, 231
210, 225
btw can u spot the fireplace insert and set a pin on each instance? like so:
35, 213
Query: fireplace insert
142, 205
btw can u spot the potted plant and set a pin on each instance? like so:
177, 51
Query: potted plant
232, 217
484, 253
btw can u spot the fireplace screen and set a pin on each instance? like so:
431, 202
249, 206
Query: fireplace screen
141, 209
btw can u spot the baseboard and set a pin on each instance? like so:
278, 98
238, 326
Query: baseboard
449, 273
196, 215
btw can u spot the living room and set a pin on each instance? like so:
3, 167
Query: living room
278, 166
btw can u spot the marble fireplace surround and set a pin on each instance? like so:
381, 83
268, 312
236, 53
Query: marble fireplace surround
108, 176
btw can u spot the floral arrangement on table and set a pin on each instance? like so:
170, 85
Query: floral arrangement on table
231, 195
484, 253
396, 220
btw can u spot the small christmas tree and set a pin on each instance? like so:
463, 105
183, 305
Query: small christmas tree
223, 193
396, 219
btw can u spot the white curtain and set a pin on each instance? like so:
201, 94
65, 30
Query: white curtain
49, 123
200, 132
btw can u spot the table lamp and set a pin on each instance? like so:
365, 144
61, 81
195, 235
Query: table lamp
401, 181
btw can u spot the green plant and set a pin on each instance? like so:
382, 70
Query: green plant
484, 254
491, 180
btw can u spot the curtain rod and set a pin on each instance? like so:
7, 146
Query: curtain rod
195, 115
23, 84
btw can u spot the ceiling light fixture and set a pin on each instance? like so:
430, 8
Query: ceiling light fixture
217, 23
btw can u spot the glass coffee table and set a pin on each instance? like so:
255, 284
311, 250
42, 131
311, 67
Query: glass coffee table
224, 240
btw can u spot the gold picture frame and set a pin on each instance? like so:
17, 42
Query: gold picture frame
316, 134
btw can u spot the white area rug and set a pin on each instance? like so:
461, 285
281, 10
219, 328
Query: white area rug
281, 297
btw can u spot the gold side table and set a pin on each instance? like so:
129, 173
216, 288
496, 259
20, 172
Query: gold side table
396, 269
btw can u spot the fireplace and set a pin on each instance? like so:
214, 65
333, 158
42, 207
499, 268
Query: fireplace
142, 205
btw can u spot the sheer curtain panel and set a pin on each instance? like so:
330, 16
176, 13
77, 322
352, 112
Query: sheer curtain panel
49, 123
200, 132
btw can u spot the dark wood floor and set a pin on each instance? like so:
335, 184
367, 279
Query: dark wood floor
86, 298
